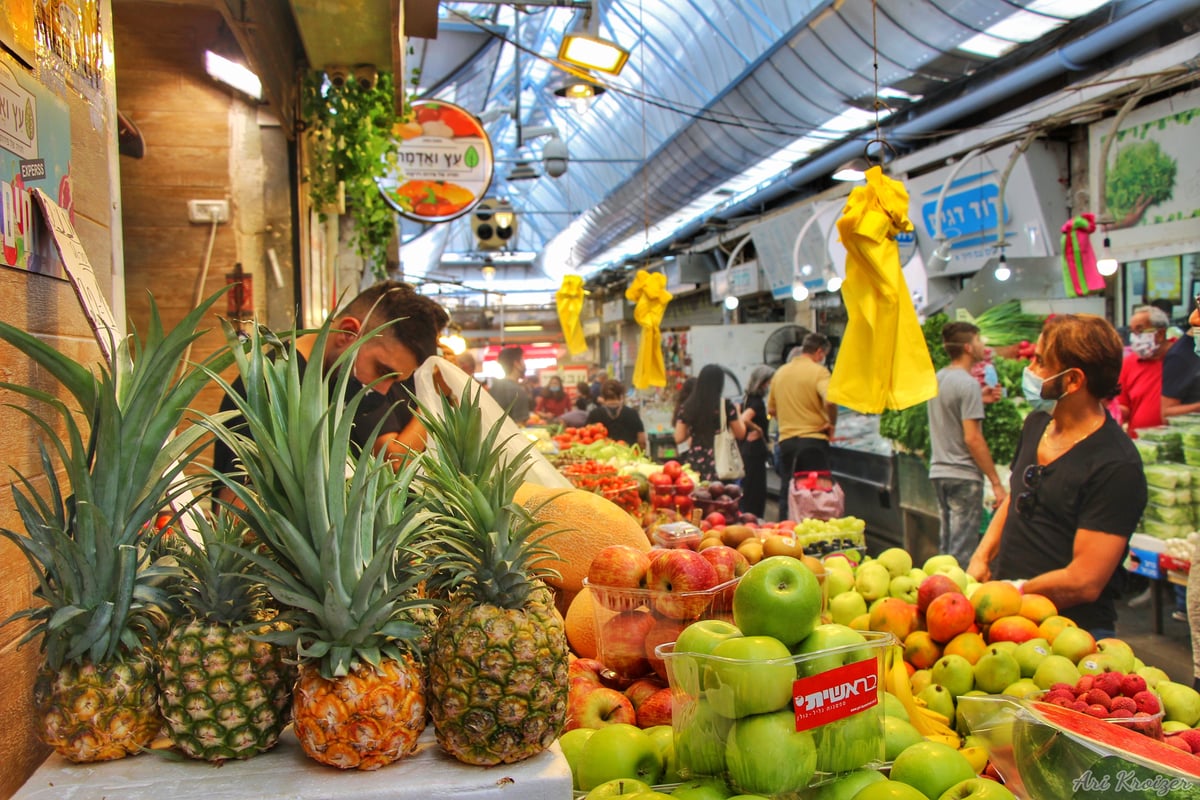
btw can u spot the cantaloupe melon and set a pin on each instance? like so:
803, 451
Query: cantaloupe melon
586, 523
581, 625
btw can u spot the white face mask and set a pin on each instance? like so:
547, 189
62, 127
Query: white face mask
1144, 345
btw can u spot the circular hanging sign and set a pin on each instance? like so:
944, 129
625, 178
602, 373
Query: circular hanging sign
443, 165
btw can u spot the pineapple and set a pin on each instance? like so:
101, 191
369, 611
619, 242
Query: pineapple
342, 560
101, 600
222, 694
498, 668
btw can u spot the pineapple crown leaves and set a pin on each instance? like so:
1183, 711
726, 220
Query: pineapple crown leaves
85, 541
343, 530
491, 545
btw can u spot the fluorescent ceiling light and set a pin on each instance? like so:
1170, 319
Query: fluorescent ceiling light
232, 74
522, 328
591, 52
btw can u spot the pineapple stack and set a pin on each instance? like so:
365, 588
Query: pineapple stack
100, 591
498, 669
343, 535
223, 694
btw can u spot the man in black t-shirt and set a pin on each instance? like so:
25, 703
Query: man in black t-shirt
624, 424
1181, 378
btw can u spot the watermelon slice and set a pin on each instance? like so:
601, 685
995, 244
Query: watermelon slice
1063, 753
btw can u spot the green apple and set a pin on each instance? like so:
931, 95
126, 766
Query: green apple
839, 639
847, 786
1138, 664
918, 574
664, 739
892, 707
838, 561
994, 670
838, 581
1022, 688
618, 751
872, 580
618, 787
779, 596
897, 736
1055, 669
897, 560
1074, 643
904, 587
889, 790
931, 768
1180, 703
765, 754
851, 742
1120, 651
703, 789
704, 635
700, 742
572, 743
1153, 675
955, 673
977, 789
1096, 663
854, 556
650, 795
844, 607
939, 562
939, 699
749, 675
1029, 655
957, 575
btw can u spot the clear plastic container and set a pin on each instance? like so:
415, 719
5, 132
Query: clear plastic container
830, 721
674, 535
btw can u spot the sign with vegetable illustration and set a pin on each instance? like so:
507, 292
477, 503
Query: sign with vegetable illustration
443, 164
1152, 179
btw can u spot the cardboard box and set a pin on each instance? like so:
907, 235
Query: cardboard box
1143, 556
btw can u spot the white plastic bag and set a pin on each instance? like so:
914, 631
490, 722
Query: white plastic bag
541, 471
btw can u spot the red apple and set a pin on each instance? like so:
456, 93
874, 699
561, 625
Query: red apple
660, 479
586, 670
642, 688
715, 518
684, 485
598, 707
673, 469
933, 586
678, 578
621, 641
727, 562
665, 630
618, 566
655, 710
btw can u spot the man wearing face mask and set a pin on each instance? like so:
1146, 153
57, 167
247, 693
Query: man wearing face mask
624, 424
1142, 371
1077, 489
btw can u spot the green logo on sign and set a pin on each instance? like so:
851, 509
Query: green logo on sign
29, 119
471, 158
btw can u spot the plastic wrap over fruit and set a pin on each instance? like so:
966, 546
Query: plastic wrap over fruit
1047, 751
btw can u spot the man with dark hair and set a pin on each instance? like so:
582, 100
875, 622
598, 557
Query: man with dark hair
385, 363
624, 424
508, 391
959, 457
797, 401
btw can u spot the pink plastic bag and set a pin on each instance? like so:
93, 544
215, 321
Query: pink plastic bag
815, 495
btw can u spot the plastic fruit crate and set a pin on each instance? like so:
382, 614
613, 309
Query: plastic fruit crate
630, 623
831, 724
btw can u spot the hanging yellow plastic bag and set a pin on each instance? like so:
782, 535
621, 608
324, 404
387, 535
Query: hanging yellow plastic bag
649, 292
883, 361
569, 301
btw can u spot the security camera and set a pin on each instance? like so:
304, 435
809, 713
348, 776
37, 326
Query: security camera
366, 75
555, 157
337, 74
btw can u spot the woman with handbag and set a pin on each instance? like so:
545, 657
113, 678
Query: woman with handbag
707, 419
755, 448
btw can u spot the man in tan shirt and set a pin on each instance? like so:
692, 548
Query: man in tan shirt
797, 401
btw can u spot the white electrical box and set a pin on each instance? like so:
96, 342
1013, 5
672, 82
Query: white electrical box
206, 211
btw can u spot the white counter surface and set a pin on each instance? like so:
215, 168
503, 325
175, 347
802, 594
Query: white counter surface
285, 773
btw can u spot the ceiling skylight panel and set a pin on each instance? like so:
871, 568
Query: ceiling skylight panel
1023, 26
1068, 9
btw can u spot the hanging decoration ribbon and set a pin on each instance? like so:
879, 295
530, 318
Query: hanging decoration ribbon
1080, 275
569, 300
883, 361
649, 292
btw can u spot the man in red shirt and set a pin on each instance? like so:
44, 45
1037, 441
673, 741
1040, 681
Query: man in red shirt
1142, 371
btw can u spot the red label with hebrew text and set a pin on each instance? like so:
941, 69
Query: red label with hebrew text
836, 693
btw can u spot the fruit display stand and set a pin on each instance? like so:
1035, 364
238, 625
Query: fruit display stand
285, 773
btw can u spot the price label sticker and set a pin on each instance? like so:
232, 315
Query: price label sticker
836, 693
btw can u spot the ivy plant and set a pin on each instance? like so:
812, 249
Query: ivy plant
350, 130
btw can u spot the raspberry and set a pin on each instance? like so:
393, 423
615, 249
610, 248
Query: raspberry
1098, 697
1127, 703
1147, 702
1131, 684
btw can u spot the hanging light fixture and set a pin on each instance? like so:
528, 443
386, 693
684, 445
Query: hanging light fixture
799, 292
1107, 264
1003, 273
578, 92
583, 47
834, 283
731, 302
853, 170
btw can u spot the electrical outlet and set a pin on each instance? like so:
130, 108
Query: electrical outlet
207, 211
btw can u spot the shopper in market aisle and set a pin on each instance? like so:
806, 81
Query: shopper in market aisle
553, 402
959, 457
1141, 396
797, 401
681, 395
510, 392
1077, 489
1181, 377
386, 363
624, 424
756, 449
700, 420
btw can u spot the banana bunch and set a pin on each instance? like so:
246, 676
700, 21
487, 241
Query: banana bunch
929, 723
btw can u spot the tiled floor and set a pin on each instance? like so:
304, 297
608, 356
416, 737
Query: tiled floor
1171, 651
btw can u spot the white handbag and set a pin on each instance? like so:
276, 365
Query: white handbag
727, 458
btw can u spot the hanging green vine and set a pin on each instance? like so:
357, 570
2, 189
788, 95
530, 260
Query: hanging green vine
350, 129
